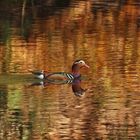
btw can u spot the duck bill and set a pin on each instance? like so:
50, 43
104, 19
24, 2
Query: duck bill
87, 66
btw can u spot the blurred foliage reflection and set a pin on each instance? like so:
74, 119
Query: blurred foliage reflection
50, 35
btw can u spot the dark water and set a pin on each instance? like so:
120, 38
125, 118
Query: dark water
50, 35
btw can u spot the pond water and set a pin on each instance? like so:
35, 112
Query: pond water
105, 105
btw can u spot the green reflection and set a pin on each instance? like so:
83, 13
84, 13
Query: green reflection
14, 97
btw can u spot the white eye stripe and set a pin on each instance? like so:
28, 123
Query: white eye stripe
80, 61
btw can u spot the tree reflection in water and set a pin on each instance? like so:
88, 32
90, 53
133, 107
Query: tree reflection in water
50, 35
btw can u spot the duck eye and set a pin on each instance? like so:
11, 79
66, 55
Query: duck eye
81, 62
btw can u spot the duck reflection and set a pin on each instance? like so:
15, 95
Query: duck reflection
75, 85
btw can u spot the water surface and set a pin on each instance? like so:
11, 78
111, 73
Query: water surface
50, 36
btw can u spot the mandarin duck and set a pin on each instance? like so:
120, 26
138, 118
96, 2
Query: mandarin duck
76, 66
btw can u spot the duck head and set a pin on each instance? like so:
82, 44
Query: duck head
77, 65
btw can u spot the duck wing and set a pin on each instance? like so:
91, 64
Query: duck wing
59, 76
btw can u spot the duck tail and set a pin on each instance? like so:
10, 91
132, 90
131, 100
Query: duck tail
36, 72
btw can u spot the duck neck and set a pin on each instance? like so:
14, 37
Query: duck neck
75, 70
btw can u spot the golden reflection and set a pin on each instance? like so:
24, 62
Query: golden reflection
108, 39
